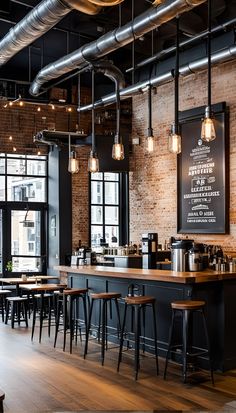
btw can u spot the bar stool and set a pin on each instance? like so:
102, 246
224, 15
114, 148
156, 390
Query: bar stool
138, 303
69, 303
186, 308
19, 307
3, 295
103, 299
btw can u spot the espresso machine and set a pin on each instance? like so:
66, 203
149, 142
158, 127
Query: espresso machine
149, 250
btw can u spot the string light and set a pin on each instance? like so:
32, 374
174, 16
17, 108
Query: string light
21, 103
14, 149
38, 109
10, 138
10, 103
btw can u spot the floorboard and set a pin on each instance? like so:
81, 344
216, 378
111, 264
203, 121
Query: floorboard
37, 378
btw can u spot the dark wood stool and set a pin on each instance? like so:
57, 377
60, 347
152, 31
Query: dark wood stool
69, 303
138, 303
19, 307
2, 397
3, 295
186, 309
104, 299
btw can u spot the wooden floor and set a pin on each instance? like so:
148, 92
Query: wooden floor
38, 378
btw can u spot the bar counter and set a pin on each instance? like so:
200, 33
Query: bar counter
217, 289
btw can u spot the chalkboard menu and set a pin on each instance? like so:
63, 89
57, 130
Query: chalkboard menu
203, 175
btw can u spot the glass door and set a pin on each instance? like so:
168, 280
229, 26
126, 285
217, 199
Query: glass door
1, 241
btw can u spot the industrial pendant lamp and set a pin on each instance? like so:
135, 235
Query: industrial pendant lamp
150, 137
118, 152
73, 164
174, 141
208, 133
93, 162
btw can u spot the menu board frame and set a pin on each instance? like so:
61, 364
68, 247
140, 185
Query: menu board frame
203, 174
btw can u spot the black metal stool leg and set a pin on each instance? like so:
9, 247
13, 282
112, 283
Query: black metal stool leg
71, 321
7, 312
104, 311
118, 317
169, 343
155, 336
64, 320
185, 315
137, 339
208, 346
88, 328
57, 320
122, 338
34, 317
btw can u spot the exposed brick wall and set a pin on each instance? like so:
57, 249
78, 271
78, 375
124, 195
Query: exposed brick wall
153, 198
23, 122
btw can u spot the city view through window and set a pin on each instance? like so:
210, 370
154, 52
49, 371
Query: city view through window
23, 194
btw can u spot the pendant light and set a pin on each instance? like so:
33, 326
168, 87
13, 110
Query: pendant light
73, 164
118, 152
174, 141
93, 162
208, 133
150, 137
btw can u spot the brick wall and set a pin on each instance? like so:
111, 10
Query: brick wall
153, 198
22, 123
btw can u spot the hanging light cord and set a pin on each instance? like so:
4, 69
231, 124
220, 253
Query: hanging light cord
150, 130
177, 78
93, 115
117, 112
209, 55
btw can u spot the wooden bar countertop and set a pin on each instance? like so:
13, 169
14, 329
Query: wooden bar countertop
149, 275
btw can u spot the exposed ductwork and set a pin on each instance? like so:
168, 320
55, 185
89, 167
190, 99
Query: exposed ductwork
193, 67
113, 40
42, 18
109, 70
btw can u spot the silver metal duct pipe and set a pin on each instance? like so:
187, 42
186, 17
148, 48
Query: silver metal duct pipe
113, 40
42, 18
193, 67
109, 70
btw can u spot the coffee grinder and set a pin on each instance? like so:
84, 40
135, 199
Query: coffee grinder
149, 250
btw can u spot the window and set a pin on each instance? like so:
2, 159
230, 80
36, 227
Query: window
23, 178
23, 201
107, 214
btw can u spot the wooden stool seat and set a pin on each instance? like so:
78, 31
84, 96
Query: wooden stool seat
187, 305
5, 292
2, 397
75, 291
104, 296
140, 300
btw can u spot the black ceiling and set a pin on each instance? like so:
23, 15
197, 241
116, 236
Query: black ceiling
77, 29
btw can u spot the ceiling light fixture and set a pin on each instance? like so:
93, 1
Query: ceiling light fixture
118, 152
93, 162
174, 141
150, 137
208, 133
73, 164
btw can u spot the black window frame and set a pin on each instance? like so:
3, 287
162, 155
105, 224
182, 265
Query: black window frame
123, 206
8, 206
